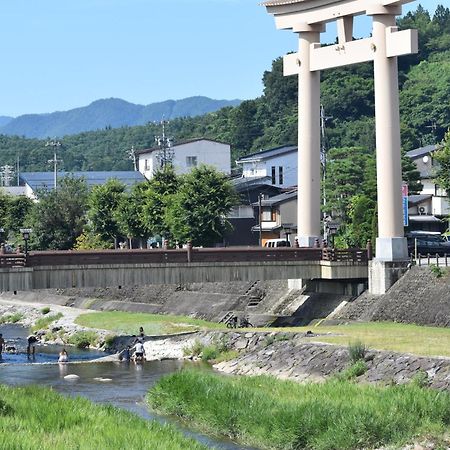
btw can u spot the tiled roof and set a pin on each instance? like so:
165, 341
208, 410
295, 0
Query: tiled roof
422, 151
45, 180
267, 154
187, 141
281, 198
416, 199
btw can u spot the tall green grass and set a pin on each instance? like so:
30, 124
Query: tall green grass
275, 414
44, 322
11, 318
34, 418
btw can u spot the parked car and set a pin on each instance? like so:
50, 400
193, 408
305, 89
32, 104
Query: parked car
273, 243
432, 243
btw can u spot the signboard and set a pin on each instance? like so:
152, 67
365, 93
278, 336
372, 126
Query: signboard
405, 204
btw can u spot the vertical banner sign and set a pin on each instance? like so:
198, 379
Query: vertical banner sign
405, 204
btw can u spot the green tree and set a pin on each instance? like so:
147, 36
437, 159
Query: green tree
156, 197
104, 202
442, 158
58, 217
129, 214
198, 210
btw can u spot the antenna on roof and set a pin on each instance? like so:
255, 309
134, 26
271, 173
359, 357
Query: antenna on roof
165, 154
132, 155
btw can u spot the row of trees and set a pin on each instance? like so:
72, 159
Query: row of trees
179, 208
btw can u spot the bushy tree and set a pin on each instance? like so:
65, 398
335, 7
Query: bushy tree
198, 210
156, 198
58, 217
442, 157
104, 202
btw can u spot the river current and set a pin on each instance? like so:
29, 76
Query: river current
122, 384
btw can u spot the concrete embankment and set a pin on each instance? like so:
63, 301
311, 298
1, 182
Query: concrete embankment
293, 356
419, 297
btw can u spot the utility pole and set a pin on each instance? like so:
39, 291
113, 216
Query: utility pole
433, 128
132, 156
18, 169
323, 160
260, 197
165, 154
55, 160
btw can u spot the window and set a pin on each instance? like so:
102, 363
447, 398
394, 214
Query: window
266, 214
273, 175
280, 175
146, 164
273, 214
191, 161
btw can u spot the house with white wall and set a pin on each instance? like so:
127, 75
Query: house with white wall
186, 156
280, 164
427, 210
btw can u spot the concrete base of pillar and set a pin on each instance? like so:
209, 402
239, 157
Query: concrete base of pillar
383, 274
391, 249
307, 241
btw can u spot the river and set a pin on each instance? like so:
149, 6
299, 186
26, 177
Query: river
127, 386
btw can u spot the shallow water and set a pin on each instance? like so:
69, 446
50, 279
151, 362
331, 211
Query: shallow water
128, 385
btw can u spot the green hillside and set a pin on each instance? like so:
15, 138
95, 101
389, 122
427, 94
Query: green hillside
270, 120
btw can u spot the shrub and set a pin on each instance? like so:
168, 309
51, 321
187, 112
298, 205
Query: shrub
210, 352
11, 318
437, 271
355, 370
268, 340
357, 351
45, 310
194, 350
44, 322
109, 340
420, 379
83, 339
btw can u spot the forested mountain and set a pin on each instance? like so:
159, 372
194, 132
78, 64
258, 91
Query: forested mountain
5, 120
270, 120
107, 113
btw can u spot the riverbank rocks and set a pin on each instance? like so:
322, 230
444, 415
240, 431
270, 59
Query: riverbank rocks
293, 356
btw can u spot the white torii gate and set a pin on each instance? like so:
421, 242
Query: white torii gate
308, 19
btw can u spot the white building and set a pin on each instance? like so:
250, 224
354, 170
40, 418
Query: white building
187, 155
280, 164
437, 204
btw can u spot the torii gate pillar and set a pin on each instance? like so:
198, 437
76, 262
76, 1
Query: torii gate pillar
308, 18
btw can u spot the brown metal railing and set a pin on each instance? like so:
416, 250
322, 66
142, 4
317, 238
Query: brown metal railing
12, 260
185, 255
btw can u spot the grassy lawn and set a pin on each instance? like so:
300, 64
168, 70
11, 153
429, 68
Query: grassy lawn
405, 338
35, 418
398, 337
153, 324
273, 414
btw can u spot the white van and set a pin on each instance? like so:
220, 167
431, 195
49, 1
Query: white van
273, 243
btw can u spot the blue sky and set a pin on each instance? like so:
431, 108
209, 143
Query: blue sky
59, 55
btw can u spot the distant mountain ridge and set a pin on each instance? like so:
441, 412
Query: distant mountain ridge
112, 112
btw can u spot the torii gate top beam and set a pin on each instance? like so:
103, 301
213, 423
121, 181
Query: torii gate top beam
289, 13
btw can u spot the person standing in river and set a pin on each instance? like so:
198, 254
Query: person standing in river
31, 348
2, 345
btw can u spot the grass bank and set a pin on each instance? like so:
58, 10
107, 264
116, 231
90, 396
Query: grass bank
153, 324
36, 418
398, 337
275, 414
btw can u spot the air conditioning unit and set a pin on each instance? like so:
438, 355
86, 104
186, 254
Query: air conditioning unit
423, 210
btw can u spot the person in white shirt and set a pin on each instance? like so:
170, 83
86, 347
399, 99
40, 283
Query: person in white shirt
139, 351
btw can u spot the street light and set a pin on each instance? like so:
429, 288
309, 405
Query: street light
26, 235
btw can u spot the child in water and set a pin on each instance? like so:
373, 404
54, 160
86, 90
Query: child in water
63, 356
